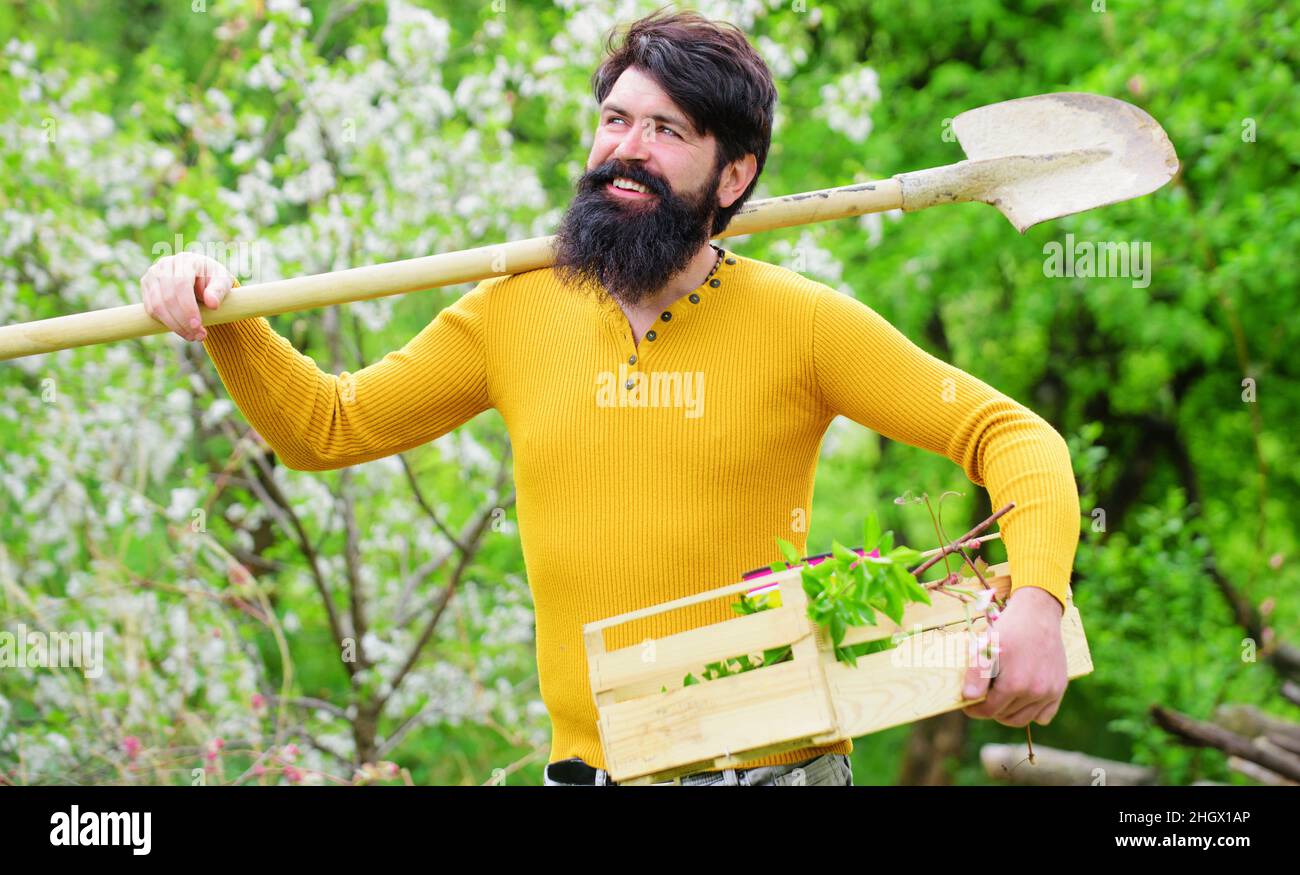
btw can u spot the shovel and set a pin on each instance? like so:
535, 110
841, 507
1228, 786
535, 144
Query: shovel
1034, 158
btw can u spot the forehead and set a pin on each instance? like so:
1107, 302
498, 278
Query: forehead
635, 92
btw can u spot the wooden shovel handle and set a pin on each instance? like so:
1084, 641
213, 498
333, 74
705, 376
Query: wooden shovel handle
414, 274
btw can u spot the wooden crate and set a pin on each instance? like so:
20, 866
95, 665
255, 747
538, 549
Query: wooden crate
649, 735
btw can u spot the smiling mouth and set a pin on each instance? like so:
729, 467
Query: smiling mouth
632, 190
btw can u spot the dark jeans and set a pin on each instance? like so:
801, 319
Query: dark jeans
832, 769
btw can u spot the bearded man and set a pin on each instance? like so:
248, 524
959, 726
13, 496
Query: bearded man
622, 506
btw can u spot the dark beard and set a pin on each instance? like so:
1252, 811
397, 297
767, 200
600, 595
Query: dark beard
629, 249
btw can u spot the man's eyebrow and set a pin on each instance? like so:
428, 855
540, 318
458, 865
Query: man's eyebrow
669, 119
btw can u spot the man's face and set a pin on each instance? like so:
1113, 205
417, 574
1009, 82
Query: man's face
629, 242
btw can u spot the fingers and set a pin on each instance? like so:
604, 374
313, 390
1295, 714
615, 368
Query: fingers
1036, 711
1019, 710
177, 284
1045, 716
171, 288
148, 287
155, 300
187, 282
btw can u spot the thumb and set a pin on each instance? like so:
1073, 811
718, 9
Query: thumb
978, 676
216, 290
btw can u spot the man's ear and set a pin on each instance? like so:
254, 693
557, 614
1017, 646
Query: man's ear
736, 177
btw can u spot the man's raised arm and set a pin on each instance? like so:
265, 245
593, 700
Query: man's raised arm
315, 420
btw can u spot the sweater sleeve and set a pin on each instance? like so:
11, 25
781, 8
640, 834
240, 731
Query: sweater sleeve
870, 372
316, 421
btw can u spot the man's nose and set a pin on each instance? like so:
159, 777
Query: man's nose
634, 145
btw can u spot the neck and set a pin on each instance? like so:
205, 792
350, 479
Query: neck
682, 283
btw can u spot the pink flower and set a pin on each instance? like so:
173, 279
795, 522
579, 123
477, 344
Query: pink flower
259, 770
983, 600
290, 751
259, 701
131, 745
292, 774
238, 575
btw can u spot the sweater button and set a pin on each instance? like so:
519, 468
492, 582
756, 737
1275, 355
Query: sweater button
665, 315
650, 335
629, 384
695, 299
715, 283
731, 260
631, 360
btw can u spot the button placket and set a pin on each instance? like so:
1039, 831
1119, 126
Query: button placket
634, 354
678, 308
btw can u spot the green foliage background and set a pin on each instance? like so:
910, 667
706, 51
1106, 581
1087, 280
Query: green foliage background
1187, 468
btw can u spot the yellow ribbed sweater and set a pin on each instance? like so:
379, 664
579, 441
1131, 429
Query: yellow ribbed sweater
627, 498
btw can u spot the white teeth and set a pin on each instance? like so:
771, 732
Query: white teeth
620, 182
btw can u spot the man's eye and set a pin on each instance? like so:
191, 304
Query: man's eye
669, 130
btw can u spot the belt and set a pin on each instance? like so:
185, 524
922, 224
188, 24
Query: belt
575, 771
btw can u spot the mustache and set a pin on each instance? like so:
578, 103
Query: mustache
611, 170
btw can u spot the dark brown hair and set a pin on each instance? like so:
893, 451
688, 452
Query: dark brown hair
710, 70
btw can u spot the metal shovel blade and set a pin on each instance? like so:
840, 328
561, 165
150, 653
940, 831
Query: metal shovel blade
1050, 155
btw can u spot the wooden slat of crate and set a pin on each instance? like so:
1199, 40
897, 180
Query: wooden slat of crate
661, 732
693, 599
628, 672
879, 694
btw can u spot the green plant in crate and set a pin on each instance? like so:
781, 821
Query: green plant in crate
845, 589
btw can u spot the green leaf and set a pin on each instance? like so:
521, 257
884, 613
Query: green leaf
871, 533
789, 551
821, 570
837, 628
904, 556
844, 554
812, 587
776, 654
894, 604
915, 591
845, 654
